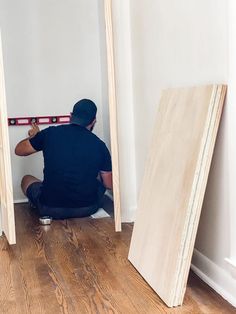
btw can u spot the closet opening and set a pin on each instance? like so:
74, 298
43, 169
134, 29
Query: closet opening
56, 53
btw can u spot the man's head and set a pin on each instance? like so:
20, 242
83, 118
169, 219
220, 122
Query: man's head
84, 113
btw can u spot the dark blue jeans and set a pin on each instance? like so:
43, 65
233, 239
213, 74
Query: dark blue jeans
34, 191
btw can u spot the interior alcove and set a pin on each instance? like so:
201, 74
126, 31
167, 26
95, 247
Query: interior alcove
54, 54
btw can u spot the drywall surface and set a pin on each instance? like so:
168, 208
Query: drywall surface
103, 73
184, 43
52, 57
214, 258
231, 114
175, 43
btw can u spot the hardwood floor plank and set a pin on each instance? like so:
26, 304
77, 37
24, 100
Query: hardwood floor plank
81, 266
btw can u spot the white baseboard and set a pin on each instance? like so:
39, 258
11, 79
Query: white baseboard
232, 266
216, 277
128, 215
22, 200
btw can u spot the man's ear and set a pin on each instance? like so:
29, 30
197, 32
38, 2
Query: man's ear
91, 125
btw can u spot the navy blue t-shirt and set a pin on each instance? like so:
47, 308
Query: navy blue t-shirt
73, 157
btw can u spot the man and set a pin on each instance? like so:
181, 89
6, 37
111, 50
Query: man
73, 160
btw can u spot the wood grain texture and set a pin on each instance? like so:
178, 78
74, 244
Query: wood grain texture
81, 266
113, 113
174, 186
6, 191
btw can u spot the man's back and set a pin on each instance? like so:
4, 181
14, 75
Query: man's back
73, 157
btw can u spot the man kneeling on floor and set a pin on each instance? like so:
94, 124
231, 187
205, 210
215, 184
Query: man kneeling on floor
73, 159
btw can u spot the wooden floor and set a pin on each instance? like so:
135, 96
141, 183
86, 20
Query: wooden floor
80, 266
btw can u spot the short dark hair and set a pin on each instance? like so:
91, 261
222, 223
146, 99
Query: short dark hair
84, 112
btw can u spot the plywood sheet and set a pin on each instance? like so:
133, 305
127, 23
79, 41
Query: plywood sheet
113, 113
173, 187
6, 194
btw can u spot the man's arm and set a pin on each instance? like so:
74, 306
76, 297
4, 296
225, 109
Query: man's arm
106, 179
24, 148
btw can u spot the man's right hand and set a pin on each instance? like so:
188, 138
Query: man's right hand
34, 130
106, 179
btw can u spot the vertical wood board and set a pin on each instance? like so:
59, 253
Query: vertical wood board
113, 113
6, 192
174, 186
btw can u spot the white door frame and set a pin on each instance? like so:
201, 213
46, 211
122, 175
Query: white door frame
113, 113
6, 191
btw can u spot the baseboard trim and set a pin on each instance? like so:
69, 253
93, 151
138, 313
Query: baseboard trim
128, 215
22, 200
231, 261
216, 277
232, 266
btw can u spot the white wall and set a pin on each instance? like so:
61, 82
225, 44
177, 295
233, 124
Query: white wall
53, 55
175, 43
103, 73
232, 128
184, 43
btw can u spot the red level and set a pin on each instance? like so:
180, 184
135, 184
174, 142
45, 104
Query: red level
39, 120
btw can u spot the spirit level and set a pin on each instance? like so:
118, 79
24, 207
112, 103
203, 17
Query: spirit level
39, 120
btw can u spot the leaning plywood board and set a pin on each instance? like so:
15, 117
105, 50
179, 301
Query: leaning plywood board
6, 195
174, 186
113, 114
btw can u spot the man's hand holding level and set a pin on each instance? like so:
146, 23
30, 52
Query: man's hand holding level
34, 130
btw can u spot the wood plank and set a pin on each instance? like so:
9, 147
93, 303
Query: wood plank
174, 186
6, 191
81, 266
113, 114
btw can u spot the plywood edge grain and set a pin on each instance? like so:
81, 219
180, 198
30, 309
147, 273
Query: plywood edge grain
113, 113
210, 150
189, 215
197, 195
